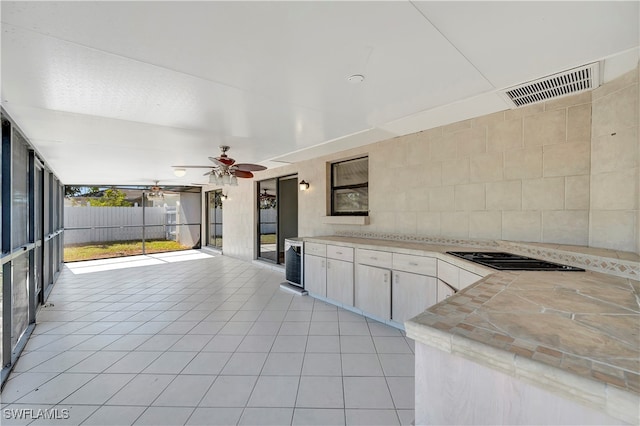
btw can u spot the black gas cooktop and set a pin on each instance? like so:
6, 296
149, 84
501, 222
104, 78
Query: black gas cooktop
511, 262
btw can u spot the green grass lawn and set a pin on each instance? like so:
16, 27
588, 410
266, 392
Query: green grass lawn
118, 249
268, 238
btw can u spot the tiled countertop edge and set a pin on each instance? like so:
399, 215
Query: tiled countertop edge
608, 265
616, 402
612, 266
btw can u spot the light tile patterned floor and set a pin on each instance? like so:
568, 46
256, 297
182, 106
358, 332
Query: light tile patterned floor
207, 341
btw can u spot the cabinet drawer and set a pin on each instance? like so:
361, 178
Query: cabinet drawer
417, 264
315, 249
340, 253
448, 273
382, 259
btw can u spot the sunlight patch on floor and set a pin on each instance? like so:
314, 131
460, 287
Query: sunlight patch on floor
102, 265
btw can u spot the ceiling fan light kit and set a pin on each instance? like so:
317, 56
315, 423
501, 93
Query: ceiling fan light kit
226, 179
155, 193
225, 170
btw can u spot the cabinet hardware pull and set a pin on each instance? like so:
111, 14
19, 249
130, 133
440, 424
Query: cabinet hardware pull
413, 264
338, 252
385, 278
374, 258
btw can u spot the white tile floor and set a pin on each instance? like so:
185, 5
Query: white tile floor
208, 341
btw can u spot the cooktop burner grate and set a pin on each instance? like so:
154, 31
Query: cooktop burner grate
511, 262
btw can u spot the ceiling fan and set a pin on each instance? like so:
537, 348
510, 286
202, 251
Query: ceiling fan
225, 170
155, 193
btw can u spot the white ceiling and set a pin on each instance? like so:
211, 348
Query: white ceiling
118, 92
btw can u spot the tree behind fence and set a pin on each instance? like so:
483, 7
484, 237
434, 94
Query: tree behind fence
85, 217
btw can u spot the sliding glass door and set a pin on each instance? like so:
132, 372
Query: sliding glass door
268, 219
277, 216
214, 219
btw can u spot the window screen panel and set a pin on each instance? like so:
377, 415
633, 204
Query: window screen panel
54, 205
20, 296
20, 192
351, 200
352, 172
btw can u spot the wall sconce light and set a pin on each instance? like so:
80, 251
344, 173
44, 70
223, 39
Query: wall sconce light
223, 196
304, 185
179, 172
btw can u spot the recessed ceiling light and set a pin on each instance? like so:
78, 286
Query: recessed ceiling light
355, 78
179, 172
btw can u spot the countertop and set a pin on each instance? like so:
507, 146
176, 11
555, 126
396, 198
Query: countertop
574, 333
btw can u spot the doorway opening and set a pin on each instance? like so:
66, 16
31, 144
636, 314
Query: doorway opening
104, 222
277, 204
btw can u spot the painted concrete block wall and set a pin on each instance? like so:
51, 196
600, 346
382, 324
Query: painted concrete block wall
239, 220
615, 218
514, 175
550, 172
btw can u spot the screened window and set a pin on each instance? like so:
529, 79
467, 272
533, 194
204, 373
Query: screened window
350, 187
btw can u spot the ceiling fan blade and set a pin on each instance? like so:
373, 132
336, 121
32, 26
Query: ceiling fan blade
192, 167
226, 161
222, 161
210, 172
247, 167
243, 174
217, 162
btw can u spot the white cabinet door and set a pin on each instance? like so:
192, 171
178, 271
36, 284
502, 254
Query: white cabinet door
315, 275
444, 291
411, 295
448, 273
373, 291
340, 281
466, 278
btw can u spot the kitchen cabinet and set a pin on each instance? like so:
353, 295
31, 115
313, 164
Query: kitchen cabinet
448, 273
466, 278
409, 280
373, 291
315, 274
411, 295
387, 283
414, 286
455, 276
328, 272
444, 291
340, 281
340, 274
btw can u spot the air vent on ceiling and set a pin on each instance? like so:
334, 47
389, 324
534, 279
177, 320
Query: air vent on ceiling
554, 86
